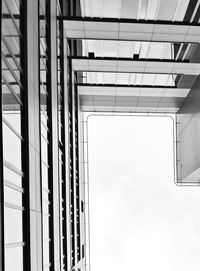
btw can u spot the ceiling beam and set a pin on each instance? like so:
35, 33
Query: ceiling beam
119, 90
123, 65
131, 30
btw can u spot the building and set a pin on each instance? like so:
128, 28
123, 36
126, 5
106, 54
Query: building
66, 57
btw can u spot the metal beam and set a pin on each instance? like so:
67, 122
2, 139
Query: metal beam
124, 90
52, 112
131, 30
2, 243
32, 221
127, 65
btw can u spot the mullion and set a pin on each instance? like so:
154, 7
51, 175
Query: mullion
77, 178
44, 51
25, 149
62, 186
2, 241
71, 155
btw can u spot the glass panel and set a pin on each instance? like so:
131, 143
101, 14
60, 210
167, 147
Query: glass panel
45, 195
137, 9
14, 259
12, 196
181, 10
45, 176
127, 49
45, 227
167, 10
45, 252
14, 119
152, 9
129, 9
130, 78
45, 208
142, 9
11, 147
13, 232
44, 150
12, 177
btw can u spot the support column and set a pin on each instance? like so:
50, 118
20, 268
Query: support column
2, 264
32, 223
65, 140
52, 112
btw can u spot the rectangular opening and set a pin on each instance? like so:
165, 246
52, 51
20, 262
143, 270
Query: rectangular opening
138, 216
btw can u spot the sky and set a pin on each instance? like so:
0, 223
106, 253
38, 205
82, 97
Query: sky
139, 219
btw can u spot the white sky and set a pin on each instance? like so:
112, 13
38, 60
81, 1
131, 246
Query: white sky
139, 219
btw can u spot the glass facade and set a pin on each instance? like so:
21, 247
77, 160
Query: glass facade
60, 59
12, 103
40, 200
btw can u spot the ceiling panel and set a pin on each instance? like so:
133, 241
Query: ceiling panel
135, 9
129, 9
167, 10
110, 8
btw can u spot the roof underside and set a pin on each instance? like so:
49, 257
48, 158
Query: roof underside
136, 55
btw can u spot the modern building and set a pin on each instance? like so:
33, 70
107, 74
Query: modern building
60, 59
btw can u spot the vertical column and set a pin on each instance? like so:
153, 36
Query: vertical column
44, 120
71, 167
66, 124
52, 112
65, 147
32, 223
75, 171
81, 184
1, 171
78, 200
75, 187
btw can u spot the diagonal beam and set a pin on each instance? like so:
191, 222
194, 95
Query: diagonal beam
131, 30
134, 66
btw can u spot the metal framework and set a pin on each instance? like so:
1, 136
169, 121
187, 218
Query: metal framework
51, 72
